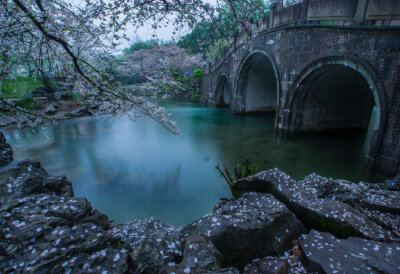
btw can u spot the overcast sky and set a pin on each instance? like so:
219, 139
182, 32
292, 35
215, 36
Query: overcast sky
146, 32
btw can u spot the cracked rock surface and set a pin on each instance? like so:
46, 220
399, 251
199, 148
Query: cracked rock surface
44, 228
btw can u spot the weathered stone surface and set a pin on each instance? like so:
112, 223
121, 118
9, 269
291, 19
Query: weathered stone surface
135, 231
29, 178
51, 109
270, 266
302, 51
82, 112
393, 184
200, 255
43, 228
323, 253
6, 153
157, 250
323, 214
361, 195
253, 226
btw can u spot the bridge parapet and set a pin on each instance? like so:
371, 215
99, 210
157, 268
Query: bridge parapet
357, 13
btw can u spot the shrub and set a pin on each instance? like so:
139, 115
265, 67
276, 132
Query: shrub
241, 170
27, 103
195, 97
198, 74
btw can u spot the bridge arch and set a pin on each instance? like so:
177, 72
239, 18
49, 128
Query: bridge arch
257, 84
338, 92
223, 92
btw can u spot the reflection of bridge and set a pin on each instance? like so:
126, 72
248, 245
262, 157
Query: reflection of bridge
320, 64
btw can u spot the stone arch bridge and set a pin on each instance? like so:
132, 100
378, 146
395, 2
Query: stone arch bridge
320, 64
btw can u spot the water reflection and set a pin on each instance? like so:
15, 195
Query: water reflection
132, 170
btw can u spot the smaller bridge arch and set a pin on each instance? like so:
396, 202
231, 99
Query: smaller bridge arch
223, 92
337, 93
257, 86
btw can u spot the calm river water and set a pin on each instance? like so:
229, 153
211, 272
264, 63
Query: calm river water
137, 170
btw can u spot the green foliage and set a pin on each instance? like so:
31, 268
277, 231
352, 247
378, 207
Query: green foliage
241, 170
217, 49
67, 114
139, 45
16, 88
27, 103
198, 74
195, 98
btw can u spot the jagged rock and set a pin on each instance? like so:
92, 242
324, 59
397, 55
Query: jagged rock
323, 253
40, 92
6, 153
255, 225
135, 231
325, 214
362, 195
51, 109
81, 112
45, 229
393, 184
268, 265
200, 255
157, 250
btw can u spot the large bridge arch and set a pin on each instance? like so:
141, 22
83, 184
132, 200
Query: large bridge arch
257, 85
223, 91
338, 92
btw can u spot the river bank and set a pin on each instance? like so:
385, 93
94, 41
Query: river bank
45, 228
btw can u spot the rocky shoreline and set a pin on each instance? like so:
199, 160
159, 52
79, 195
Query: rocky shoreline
278, 225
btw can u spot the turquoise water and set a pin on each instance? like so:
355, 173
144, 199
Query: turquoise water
137, 170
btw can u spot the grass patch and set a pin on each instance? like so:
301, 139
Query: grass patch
16, 88
28, 103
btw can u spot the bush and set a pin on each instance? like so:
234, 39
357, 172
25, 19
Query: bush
198, 74
241, 170
16, 88
27, 103
195, 97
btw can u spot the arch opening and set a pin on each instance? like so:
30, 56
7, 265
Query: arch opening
337, 97
223, 92
258, 84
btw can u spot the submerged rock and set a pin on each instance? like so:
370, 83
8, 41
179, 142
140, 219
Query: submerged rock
6, 153
253, 226
323, 253
320, 212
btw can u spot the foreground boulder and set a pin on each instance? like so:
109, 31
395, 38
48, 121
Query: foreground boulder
44, 228
325, 214
253, 226
323, 253
6, 153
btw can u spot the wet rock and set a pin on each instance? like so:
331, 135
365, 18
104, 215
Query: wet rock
361, 195
6, 153
253, 226
40, 92
325, 214
45, 229
29, 178
82, 112
200, 255
393, 184
323, 253
135, 231
51, 109
268, 265
157, 250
